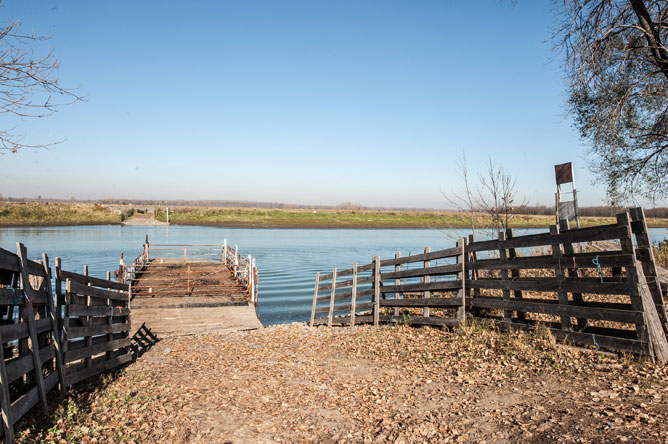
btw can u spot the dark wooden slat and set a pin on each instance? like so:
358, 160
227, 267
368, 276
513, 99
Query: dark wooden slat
342, 284
73, 378
432, 286
543, 262
20, 366
9, 296
428, 271
81, 289
554, 308
9, 261
74, 355
422, 302
438, 254
551, 285
603, 232
97, 282
82, 310
345, 295
582, 338
76, 332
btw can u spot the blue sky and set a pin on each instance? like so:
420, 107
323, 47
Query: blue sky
297, 101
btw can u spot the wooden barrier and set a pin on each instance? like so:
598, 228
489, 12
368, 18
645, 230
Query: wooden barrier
370, 284
96, 325
34, 355
588, 298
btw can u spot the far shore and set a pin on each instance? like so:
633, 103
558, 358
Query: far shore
77, 214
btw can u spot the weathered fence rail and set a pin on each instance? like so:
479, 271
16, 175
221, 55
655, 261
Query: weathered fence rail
588, 298
49, 340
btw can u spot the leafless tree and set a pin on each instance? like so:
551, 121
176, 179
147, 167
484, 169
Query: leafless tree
463, 200
494, 196
497, 194
28, 86
617, 68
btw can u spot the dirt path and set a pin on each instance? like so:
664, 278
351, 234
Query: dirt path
294, 384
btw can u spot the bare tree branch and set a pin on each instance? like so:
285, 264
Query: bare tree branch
28, 86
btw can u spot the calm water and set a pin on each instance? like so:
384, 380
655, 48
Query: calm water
287, 259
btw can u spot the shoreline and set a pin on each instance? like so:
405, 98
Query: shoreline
304, 226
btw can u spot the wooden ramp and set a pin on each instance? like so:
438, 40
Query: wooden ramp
193, 289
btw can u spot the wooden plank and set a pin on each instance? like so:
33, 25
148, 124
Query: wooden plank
397, 269
560, 276
345, 295
30, 319
649, 268
590, 234
96, 282
461, 277
11, 296
342, 284
85, 352
450, 269
376, 291
86, 290
550, 285
582, 338
20, 366
515, 273
76, 332
657, 337
5, 400
583, 260
9, 261
315, 297
100, 310
52, 315
573, 272
555, 308
73, 378
503, 255
353, 296
432, 286
438, 254
423, 302
626, 244
331, 297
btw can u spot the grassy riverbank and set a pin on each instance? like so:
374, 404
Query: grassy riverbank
42, 213
400, 385
281, 218
36, 213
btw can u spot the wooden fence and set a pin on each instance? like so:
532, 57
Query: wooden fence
49, 340
588, 298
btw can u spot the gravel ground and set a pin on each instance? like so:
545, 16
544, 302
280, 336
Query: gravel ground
295, 384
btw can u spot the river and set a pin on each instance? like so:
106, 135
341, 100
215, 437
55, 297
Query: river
287, 259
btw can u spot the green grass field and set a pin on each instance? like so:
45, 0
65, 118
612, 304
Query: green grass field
354, 219
34, 213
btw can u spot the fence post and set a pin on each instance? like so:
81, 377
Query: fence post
559, 275
514, 273
331, 299
315, 297
461, 259
54, 323
573, 272
507, 314
427, 279
30, 319
225, 251
646, 257
376, 291
353, 297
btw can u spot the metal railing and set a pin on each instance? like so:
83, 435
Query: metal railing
242, 266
